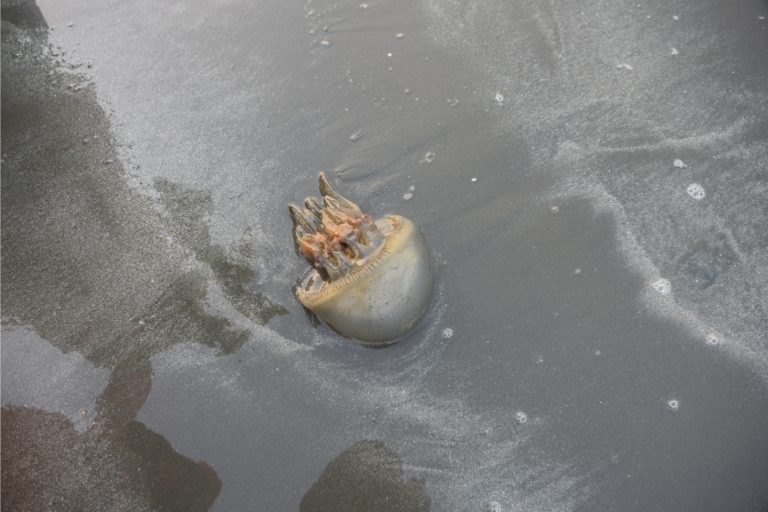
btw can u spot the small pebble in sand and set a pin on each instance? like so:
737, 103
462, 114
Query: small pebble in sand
676, 17
625, 66
325, 42
363, 6
761, 18
399, 35
679, 163
577, 271
674, 51
473, 180
389, 54
407, 196
429, 157
70, 25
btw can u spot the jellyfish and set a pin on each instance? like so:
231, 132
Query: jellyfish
369, 280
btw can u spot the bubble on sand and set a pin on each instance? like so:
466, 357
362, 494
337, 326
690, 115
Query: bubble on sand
407, 196
712, 339
493, 506
661, 285
624, 66
499, 98
429, 157
673, 404
679, 163
521, 417
325, 42
696, 191
447, 333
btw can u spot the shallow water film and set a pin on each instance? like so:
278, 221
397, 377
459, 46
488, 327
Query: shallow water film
592, 181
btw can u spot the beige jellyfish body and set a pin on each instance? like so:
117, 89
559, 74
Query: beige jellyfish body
370, 280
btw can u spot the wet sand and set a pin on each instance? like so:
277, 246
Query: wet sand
598, 335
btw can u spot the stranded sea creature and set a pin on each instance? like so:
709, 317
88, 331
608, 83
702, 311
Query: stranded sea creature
371, 280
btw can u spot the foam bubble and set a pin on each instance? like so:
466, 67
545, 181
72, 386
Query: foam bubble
625, 66
429, 157
673, 404
661, 285
521, 417
712, 339
696, 191
447, 333
499, 98
407, 196
678, 163
493, 506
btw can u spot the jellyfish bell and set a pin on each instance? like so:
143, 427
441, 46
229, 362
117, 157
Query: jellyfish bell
370, 280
